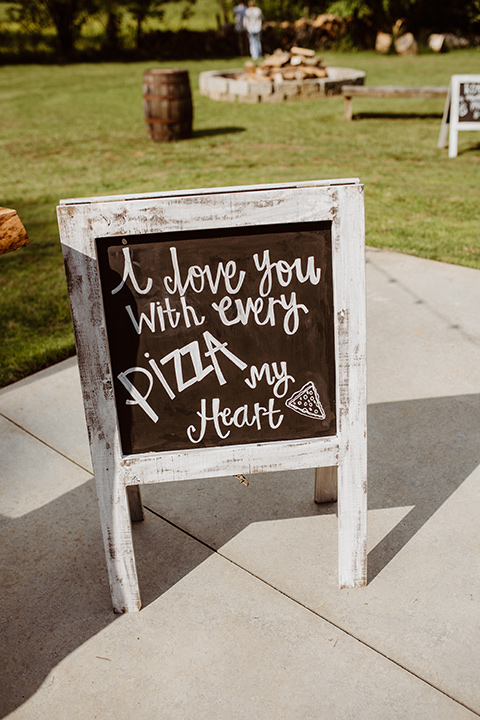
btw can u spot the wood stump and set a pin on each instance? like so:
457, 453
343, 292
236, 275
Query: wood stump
406, 45
12, 233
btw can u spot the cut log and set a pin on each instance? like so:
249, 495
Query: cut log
455, 41
311, 72
296, 64
301, 74
12, 233
318, 72
330, 24
304, 52
276, 60
312, 62
436, 42
383, 42
399, 28
406, 45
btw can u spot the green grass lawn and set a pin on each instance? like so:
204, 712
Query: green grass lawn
78, 131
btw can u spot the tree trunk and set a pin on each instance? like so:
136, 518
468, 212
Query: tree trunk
224, 11
63, 18
139, 32
113, 31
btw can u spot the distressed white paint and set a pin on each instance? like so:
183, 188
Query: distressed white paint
350, 330
83, 220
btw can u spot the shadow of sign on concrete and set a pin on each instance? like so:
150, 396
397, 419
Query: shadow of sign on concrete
55, 592
420, 451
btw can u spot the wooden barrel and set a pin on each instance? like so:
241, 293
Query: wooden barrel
167, 104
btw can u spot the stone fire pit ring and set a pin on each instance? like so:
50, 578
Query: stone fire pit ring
218, 85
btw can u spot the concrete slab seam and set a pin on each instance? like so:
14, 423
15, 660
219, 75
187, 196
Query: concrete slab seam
322, 617
50, 447
471, 338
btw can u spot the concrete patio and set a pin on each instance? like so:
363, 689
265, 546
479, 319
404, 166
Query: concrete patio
242, 616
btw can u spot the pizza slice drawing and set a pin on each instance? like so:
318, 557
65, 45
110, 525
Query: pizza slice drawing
307, 402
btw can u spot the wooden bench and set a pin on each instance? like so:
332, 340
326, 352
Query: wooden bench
387, 91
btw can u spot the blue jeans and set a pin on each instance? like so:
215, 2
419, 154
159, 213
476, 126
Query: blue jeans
255, 45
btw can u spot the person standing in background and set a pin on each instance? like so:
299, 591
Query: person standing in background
239, 14
252, 23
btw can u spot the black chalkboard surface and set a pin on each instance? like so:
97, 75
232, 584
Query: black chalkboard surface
469, 102
220, 337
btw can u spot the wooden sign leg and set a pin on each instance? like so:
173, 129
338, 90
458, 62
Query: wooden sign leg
351, 395
453, 140
443, 137
347, 108
352, 519
325, 484
135, 503
118, 541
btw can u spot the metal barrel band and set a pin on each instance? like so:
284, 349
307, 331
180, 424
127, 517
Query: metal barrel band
165, 97
156, 81
164, 121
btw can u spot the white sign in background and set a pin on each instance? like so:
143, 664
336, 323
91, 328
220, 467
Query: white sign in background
462, 110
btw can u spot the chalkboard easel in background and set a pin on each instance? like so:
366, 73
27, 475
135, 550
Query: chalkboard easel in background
221, 332
462, 110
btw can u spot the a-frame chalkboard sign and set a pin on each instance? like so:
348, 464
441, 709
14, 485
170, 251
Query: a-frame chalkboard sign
462, 110
221, 332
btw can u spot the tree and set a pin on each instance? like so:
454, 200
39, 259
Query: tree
67, 16
292, 10
141, 10
444, 16
418, 15
374, 13
113, 11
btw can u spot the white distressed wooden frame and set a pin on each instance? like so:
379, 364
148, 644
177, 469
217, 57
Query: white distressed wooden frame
340, 460
451, 122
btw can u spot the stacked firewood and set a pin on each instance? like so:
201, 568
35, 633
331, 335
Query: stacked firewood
296, 64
